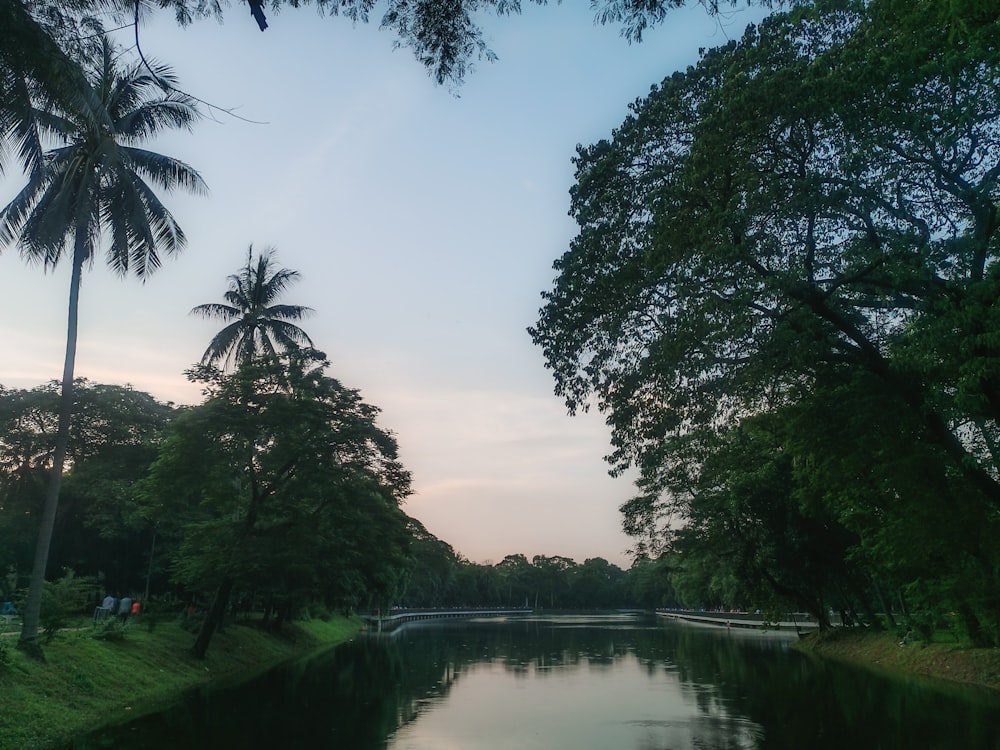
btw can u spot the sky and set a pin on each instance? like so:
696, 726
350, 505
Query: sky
424, 221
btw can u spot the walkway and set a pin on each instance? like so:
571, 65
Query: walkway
796, 621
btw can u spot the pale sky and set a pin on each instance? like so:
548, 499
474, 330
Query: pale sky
424, 226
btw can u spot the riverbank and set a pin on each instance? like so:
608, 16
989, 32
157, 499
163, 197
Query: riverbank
85, 683
882, 652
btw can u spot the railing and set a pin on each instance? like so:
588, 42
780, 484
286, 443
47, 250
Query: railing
398, 617
797, 621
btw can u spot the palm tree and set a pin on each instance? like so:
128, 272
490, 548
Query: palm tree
30, 63
93, 190
258, 327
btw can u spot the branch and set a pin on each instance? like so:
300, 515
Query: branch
167, 86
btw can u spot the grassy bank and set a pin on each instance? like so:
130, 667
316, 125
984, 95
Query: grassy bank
883, 653
84, 683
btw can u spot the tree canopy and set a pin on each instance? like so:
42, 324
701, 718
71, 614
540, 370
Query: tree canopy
257, 325
805, 217
94, 187
447, 39
282, 482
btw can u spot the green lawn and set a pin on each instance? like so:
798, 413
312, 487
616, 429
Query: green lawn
942, 659
86, 683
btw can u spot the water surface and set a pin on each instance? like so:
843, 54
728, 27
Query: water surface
593, 683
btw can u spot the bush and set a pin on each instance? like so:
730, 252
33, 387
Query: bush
192, 622
320, 612
63, 599
4, 653
111, 629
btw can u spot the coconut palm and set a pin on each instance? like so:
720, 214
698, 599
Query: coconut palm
258, 326
93, 189
40, 47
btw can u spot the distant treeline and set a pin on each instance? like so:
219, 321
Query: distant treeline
289, 491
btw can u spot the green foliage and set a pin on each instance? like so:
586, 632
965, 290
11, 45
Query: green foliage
437, 577
110, 629
282, 484
64, 600
258, 327
94, 186
446, 39
113, 437
318, 611
85, 681
801, 229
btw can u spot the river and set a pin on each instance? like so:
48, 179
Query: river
615, 682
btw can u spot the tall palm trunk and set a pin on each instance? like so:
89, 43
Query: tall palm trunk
33, 606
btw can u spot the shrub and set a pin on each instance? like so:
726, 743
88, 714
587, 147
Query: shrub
63, 599
320, 612
111, 629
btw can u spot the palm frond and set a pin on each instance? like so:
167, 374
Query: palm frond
216, 310
55, 124
222, 345
166, 234
259, 328
288, 334
288, 312
18, 122
35, 71
237, 297
105, 177
174, 111
165, 171
14, 215
279, 281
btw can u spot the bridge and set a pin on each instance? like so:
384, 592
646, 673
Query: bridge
380, 622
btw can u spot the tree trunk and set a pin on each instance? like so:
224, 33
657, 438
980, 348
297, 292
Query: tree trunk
213, 617
886, 605
814, 606
282, 613
973, 626
861, 597
33, 605
149, 571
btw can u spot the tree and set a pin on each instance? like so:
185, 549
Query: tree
433, 569
258, 326
281, 480
597, 584
95, 187
812, 205
753, 221
446, 38
113, 436
38, 53
649, 583
764, 541
553, 577
517, 581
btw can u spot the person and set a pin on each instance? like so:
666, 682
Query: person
109, 604
124, 608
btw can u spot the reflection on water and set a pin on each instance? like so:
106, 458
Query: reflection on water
574, 683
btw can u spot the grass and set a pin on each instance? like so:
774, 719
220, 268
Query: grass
882, 652
84, 683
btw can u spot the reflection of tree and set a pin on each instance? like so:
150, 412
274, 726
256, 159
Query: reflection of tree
743, 691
